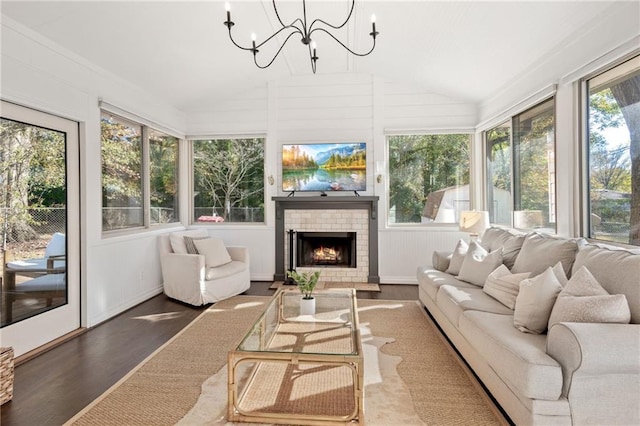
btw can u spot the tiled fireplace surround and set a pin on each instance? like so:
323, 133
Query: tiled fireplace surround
330, 214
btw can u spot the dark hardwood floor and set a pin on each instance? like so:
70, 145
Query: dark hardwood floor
51, 388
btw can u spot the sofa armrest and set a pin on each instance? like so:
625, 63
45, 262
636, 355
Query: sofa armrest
239, 253
601, 370
440, 260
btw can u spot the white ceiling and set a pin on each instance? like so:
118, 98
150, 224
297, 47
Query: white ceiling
180, 51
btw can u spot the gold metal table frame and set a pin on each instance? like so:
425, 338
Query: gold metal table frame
330, 340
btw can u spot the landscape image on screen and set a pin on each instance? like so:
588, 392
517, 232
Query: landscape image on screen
324, 167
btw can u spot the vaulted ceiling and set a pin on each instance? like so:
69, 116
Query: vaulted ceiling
180, 50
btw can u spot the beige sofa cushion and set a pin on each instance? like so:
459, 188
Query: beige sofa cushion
510, 241
478, 264
584, 300
457, 257
453, 301
504, 286
617, 270
535, 301
541, 251
519, 359
430, 280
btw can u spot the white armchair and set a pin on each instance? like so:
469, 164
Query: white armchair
186, 277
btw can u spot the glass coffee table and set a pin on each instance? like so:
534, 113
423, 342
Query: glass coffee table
292, 369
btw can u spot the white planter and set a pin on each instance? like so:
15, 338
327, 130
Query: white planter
307, 306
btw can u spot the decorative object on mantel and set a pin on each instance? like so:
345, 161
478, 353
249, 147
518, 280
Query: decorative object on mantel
474, 222
306, 282
299, 26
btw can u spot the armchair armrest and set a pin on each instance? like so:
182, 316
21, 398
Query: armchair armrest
178, 267
601, 370
239, 253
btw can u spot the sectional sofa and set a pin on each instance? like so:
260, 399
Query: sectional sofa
551, 326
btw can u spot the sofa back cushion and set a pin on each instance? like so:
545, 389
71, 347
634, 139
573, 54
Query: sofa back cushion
540, 251
509, 240
616, 269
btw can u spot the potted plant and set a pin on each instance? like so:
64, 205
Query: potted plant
306, 282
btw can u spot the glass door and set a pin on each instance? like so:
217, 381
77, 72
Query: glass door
39, 227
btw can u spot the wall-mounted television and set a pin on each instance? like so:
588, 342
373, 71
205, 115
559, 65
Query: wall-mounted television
324, 167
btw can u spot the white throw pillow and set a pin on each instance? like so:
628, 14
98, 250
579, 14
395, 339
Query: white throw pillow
214, 251
457, 257
583, 299
177, 239
535, 301
504, 286
478, 264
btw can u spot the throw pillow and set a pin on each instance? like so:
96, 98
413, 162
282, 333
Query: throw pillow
457, 258
542, 251
504, 286
177, 239
535, 301
478, 264
440, 260
558, 271
191, 247
583, 299
214, 251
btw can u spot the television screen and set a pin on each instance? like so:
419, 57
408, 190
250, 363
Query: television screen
324, 167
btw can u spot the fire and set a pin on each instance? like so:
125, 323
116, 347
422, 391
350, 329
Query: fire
325, 254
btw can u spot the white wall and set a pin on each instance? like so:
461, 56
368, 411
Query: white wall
39, 74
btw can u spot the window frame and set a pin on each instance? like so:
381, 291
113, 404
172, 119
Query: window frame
145, 161
510, 120
584, 151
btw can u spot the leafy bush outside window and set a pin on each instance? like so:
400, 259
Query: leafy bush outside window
428, 177
228, 180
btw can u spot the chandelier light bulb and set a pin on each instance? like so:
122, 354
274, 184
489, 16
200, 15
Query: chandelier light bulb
253, 37
313, 45
373, 17
227, 6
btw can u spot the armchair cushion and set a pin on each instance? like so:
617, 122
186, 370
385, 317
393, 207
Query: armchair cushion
214, 251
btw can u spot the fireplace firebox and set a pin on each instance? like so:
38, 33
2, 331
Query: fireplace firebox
331, 249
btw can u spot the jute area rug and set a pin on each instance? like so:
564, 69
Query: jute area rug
327, 284
411, 376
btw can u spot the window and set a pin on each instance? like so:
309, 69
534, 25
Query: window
613, 116
534, 176
228, 180
123, 145
163, 177
428, 177
499, 169
520, 170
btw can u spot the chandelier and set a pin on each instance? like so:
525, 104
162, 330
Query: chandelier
299, 26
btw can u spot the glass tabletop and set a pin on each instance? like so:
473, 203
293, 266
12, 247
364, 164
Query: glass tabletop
281, 328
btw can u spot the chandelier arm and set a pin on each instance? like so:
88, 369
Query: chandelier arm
335, 27
295, 29
255, 59
236, 44
344, 45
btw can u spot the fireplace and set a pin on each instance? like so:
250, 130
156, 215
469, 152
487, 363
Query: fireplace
331, 249
342, 214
